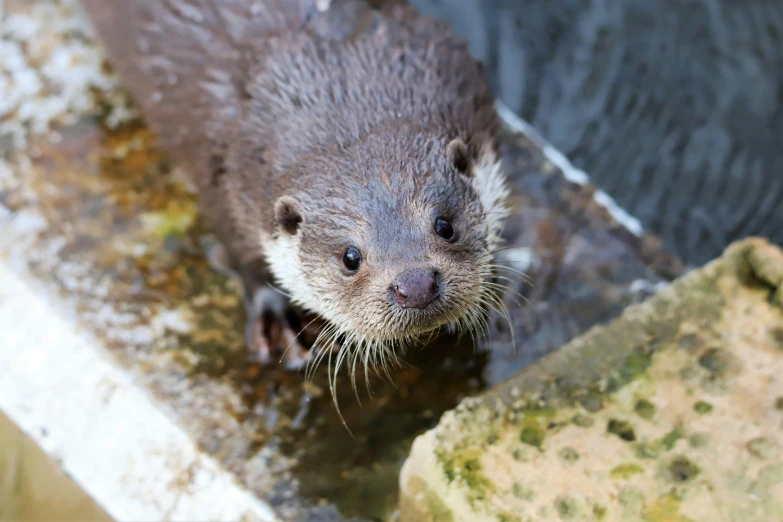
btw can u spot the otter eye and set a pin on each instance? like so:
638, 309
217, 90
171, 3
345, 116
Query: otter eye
444, 229
352, 259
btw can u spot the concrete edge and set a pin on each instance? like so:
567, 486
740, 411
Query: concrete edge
571, 173
65, 391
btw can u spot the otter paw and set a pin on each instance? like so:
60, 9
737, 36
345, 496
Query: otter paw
256, 340
268, 334
269, 338
295, 355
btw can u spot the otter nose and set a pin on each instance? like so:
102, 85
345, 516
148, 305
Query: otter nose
416, 288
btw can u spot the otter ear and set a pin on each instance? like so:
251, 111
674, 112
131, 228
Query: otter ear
458, 154
288, 214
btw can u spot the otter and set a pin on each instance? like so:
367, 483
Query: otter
345, 153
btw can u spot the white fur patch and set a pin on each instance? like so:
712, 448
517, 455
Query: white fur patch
490, 184
282, 254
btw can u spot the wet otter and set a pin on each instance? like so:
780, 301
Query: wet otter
345, 150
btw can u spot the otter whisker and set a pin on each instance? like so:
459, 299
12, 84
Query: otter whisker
388, 354
500, 307
333, 389
505, 278
505, 290
352, 358
344, 354
327, 332
525, 277
373, 355
476, 323
292, 341
465, 324
371, 358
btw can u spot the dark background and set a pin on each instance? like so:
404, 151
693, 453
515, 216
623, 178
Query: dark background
674, 107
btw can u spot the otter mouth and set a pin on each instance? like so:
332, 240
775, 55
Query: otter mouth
422, 300
425, 315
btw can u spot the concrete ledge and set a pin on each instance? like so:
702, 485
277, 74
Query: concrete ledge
61, 388
672, 412
33, 487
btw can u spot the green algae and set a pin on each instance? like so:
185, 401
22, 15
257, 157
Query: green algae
465, 468
532, 436
665, 509
569, 454
669, 440
702, 407
645, 451
622, 429
472, 466
631, 500
715, 360
519, 455
762, 448
777, 336
523, 492
644, 409
681, 469
599, 512
690, 342
568, 508
584, 421
779, 403
699, 440
438, 509
636, 364
448, 467
175, 219
769, 476
592, 401
625, 471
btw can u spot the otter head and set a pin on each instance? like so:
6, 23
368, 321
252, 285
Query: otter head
392, 238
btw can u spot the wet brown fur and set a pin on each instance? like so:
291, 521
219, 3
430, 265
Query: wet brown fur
347, 115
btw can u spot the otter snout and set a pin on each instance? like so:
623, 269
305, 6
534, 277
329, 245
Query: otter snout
416, 287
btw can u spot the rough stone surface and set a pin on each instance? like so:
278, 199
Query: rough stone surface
670, 413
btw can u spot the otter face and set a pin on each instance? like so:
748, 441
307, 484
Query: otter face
399, 244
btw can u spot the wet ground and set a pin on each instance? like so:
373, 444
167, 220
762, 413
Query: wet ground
107, 222
122, 241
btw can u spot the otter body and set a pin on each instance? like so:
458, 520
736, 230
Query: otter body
343, 150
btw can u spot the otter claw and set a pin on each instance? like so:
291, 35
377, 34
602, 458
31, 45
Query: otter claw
256, 342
